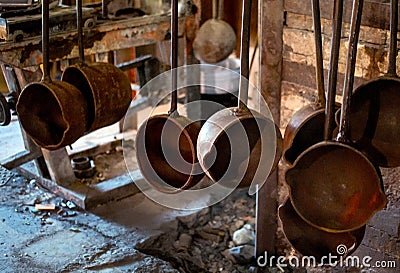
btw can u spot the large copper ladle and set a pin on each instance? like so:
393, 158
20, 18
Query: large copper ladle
374, 119
306, 127
165, 144
237, 146
333, 186
53, 113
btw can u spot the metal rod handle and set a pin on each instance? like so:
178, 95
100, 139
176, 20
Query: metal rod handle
214, 9
318, 52
45, 40
79, 25
174, 57
350, 68
244, 55
332, 71
394, 13
221, 9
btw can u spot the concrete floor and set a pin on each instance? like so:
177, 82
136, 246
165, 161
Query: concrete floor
102, 240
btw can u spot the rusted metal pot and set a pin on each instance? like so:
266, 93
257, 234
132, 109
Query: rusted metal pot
237, 145
53, 113
216, 39
234, 144
333, 186
165, 144
306, 127
106, 88
312, 242
374, 109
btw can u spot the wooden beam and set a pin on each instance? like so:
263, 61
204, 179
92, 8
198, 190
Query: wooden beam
271, 45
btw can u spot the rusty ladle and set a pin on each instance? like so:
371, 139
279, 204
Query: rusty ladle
306, 127
333, 186
310, 241
215, 40
374, 120
106, 88
53, 113
165, 144
237, 145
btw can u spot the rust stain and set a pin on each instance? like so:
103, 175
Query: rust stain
352, 208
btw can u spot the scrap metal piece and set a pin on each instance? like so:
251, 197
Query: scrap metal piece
83, 167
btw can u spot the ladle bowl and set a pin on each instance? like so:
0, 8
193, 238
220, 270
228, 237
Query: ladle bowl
312, 242
236, 147
166, 153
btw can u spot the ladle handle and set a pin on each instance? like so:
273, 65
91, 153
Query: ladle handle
350, 68
214, 9
221, 9
394, 13
333, 68
244, 55
174, 58
79, 25
45, 40
318, 53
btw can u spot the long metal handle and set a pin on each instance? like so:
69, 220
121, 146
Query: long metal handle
318, 53
350, 68
394, 13
244, 55
332, 71
214, 9
174, 58
221, 9
45, 40
79, 25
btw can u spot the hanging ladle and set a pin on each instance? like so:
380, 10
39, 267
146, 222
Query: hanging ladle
106, 88
333, 186
237, 146
53, 113
306, 127
216, 39
165, 144
374, 119
312, 242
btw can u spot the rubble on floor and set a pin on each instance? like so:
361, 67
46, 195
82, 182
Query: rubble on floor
216, 239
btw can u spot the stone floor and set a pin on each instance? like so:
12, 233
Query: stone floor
69, 239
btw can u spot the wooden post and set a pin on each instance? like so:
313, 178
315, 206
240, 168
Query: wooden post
271, 16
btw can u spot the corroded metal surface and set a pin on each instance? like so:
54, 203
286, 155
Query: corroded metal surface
63, 118
374, 121
310, 241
